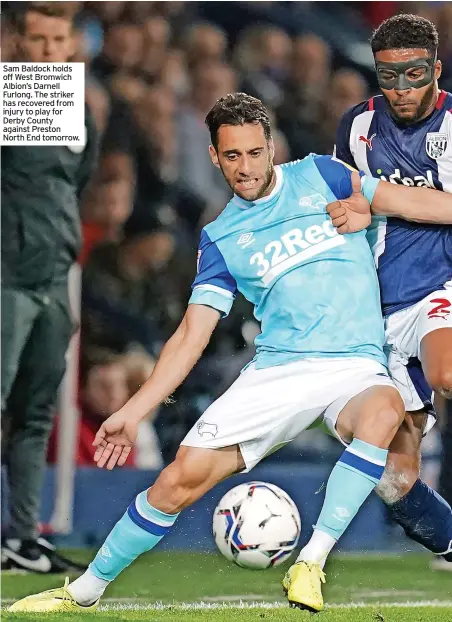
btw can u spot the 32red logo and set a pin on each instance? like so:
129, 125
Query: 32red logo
441, 310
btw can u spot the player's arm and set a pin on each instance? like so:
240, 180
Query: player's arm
422, 205
213, 294
177, 358
381, 198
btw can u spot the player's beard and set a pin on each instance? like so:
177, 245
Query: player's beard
263, 190
424, 105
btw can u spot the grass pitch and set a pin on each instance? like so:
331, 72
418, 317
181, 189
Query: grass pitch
193, 587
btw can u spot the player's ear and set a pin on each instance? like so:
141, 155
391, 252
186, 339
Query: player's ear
271, 149
214, 156
438, 69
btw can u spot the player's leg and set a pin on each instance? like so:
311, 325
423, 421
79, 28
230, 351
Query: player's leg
423, 332
435, 334
424, 515
147, 520
255, 414
367, 417
369, 422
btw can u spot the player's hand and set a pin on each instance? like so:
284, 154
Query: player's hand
114, 440
352, 214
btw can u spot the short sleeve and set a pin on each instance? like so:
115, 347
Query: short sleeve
214, 286
338, 176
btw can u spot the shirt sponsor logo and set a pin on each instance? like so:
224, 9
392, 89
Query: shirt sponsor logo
293, 248
421, 181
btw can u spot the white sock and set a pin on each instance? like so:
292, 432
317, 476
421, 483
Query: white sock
318, 548
88, 588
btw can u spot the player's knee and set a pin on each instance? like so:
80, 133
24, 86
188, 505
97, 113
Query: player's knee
175, 487
396, 482
441, 381
380, 424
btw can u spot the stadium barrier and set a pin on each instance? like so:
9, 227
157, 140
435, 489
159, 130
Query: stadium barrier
101, 497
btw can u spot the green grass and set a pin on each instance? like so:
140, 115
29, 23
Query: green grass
171, 579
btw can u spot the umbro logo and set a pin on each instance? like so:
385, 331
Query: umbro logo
341, 514
246, 239
105, 551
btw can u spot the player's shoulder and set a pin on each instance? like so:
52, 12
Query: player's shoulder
221, 225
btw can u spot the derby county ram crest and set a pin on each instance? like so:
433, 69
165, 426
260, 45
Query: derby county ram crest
436, 144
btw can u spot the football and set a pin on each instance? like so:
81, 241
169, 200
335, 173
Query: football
256, 525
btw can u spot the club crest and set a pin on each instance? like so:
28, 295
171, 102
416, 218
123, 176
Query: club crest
436, 144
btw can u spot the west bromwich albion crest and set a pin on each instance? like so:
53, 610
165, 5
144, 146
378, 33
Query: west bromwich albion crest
436, 144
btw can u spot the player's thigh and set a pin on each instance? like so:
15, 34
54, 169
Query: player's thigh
373, 416
435, 336
263, 410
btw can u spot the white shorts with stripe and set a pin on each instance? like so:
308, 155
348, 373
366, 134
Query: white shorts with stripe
267, 408
405, 330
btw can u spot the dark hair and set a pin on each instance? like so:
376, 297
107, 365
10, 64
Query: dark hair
65, 10
237, 109
405, 31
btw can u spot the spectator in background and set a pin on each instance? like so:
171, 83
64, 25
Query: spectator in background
174, 73
204, 42
346, 89
299, 116
156, 36
196, 174
106, 210
128, 295
106, 386
122, 50
263, 57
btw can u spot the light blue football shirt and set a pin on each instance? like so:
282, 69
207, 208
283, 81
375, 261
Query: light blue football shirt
315, 292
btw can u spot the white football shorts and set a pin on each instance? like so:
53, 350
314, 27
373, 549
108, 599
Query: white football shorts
405, 330
267, 408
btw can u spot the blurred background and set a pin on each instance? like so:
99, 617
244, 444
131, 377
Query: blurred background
153, 70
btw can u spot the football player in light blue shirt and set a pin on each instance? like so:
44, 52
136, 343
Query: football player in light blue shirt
319, 355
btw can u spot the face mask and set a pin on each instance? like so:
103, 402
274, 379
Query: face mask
394, 75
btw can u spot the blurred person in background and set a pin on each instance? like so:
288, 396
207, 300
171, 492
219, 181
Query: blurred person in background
41, 192
300, 114
204, 42
105, 211
122, 50
128, 297
156, 38
106, 385
346, 88
263, 57
209, 82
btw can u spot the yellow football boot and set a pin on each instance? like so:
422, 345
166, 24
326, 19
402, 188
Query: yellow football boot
303, 586
58, 600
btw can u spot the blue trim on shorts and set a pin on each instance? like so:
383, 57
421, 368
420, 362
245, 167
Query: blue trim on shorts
423, 389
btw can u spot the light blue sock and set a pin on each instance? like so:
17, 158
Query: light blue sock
138, 531
353, 478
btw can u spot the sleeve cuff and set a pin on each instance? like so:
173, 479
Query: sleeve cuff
369, 187
212, 296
